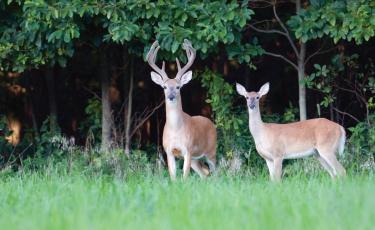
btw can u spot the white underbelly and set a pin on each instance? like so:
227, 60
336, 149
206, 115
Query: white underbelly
295, 155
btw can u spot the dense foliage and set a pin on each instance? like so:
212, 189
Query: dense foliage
73, 76
38, 32
339, 19
80, 41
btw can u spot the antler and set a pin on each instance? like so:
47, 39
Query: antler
190, 53
151, 58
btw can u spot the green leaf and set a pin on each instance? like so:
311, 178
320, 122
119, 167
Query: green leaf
317, 66
54, 35
67, 37
55, 13
242, 22
372, 20
175, 46
230, 16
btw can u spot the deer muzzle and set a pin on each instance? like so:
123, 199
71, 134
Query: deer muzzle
251, 103
171, 96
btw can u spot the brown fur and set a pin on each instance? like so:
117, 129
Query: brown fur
194, 134
197, 133
276, 142
184, 136
297, 136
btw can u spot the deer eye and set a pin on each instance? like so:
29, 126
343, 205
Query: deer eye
257, 97
165, 87
177, 87
247, 97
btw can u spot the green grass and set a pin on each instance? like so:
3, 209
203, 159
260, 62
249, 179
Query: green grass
35, 201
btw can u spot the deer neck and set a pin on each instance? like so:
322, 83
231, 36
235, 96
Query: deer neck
174, 113
256, 124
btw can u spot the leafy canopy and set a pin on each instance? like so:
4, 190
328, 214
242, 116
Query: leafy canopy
339, 19
38, 32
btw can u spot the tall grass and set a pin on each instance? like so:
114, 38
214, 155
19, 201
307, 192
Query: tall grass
63, 201
67, 188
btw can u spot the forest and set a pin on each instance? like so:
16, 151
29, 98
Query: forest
81, 114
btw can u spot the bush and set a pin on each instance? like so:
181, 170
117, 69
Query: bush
91, 127
360, 148
234, 140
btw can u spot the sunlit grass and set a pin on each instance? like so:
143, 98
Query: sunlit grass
35, 201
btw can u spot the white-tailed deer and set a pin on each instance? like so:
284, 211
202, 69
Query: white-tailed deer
276, 142
184, 136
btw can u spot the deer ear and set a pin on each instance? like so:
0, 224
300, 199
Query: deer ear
241, 90
186, 78
264, 89
157, 78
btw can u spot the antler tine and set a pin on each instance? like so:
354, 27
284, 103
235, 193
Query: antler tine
154, 54
151, 59
190, 53
152, 49
178, 64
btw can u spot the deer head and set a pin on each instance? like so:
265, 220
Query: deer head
171, 86
252, 98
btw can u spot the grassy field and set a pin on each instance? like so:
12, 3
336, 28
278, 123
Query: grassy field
35, 201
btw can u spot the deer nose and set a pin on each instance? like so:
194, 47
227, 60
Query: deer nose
251, 104
171, 97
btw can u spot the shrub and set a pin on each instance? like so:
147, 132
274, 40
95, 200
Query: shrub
231, 122
360, 148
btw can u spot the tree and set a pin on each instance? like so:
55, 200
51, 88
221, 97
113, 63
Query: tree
40, 32
276, 26
339, 19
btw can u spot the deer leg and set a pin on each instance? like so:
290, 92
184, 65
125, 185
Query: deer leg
278, 167
198, 168
187, 165
338, 170
171, 166
270, 168
211, 161
325, 165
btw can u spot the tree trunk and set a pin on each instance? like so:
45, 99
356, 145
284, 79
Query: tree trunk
33, 117
301, 74
301, 84
331, 113
106, 105
125, 96
29, 103
49, 75
129, 109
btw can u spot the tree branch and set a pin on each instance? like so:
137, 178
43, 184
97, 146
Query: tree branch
282, 57
144, 119
345, 89
92, 92
318, 52
286, 34
263, 21
259, 4
346, 114
266, 31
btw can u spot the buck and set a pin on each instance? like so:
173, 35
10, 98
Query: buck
189, 137
276, 142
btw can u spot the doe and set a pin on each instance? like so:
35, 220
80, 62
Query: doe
276, 142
